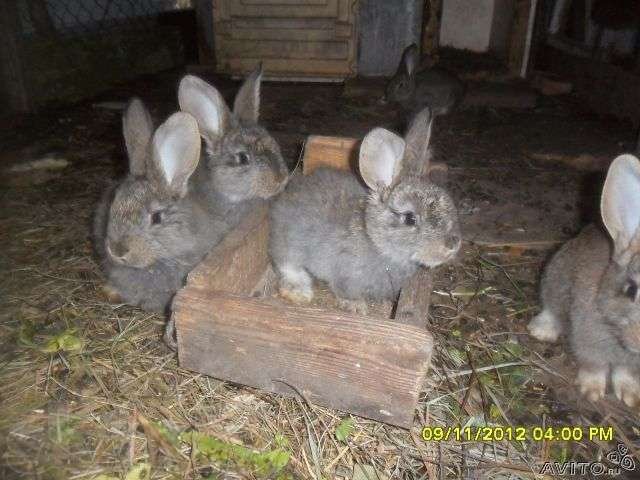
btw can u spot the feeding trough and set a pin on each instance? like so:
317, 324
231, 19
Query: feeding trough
231, 324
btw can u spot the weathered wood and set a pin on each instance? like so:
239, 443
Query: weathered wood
413, 303
431, 27
518, 36
333, 152
239, 262
294, 39
371, 367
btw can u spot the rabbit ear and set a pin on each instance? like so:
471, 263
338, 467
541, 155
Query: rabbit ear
176, 151
410, 59
620, 203
246, 106
137, 128
417, 157
207, 106
380, 160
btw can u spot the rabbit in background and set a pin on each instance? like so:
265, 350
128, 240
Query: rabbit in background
440, 90
364, 240
153, 227
590, 291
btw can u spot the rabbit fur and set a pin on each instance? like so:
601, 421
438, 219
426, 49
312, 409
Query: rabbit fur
590, 291
364, 240
152, 227
439, 89
241, 163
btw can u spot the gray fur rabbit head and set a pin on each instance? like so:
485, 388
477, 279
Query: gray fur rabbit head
619, 295
148, 219
242, 160
408, 217
402, 85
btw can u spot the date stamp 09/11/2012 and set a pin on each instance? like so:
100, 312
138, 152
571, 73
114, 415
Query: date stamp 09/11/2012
619, 459
519, 434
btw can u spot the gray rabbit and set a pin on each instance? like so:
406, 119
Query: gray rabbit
242, 164
364, 240
153, 227
590, 290
439, 89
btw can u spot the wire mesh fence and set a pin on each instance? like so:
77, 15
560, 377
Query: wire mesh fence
67, 49
78, 17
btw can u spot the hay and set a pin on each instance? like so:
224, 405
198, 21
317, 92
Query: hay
88, 390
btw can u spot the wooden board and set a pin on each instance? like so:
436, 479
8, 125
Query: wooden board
413, 303
370, 367
334, 152
239, 262
293, 39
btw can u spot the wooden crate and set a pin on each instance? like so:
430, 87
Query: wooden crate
295, 39
231, 326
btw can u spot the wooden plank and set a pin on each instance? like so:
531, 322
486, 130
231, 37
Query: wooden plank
284, 8
293, 50
431, 27
518, 36
370, 367
239, 262
333, 152
414, 300
294, 68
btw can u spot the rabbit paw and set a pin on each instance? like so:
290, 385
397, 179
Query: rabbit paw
545, 327
295, 284
169, 336
626, 386
296, 295
354, 306
111, 293
592, 383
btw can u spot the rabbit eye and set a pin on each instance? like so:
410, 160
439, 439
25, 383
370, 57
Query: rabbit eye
409, 218
242, 158
631, 290
156, 218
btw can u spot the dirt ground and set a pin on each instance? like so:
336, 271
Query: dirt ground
88, 390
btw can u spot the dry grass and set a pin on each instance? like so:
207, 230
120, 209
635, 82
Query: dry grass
87, 389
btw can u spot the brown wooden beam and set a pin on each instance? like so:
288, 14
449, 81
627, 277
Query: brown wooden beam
370, 367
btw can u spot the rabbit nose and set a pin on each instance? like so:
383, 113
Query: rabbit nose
452, 242
117, 249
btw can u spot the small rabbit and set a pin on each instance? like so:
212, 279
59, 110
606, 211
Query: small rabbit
440, 90
242, 163
364, 241
153, 228
590, 288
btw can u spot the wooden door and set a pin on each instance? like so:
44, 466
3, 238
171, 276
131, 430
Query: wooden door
295, 39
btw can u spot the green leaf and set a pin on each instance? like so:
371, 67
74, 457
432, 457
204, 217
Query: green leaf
281, 441
69, 342
141, 471
66, 341
266, 463
494, 412
168, 434
343, 431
